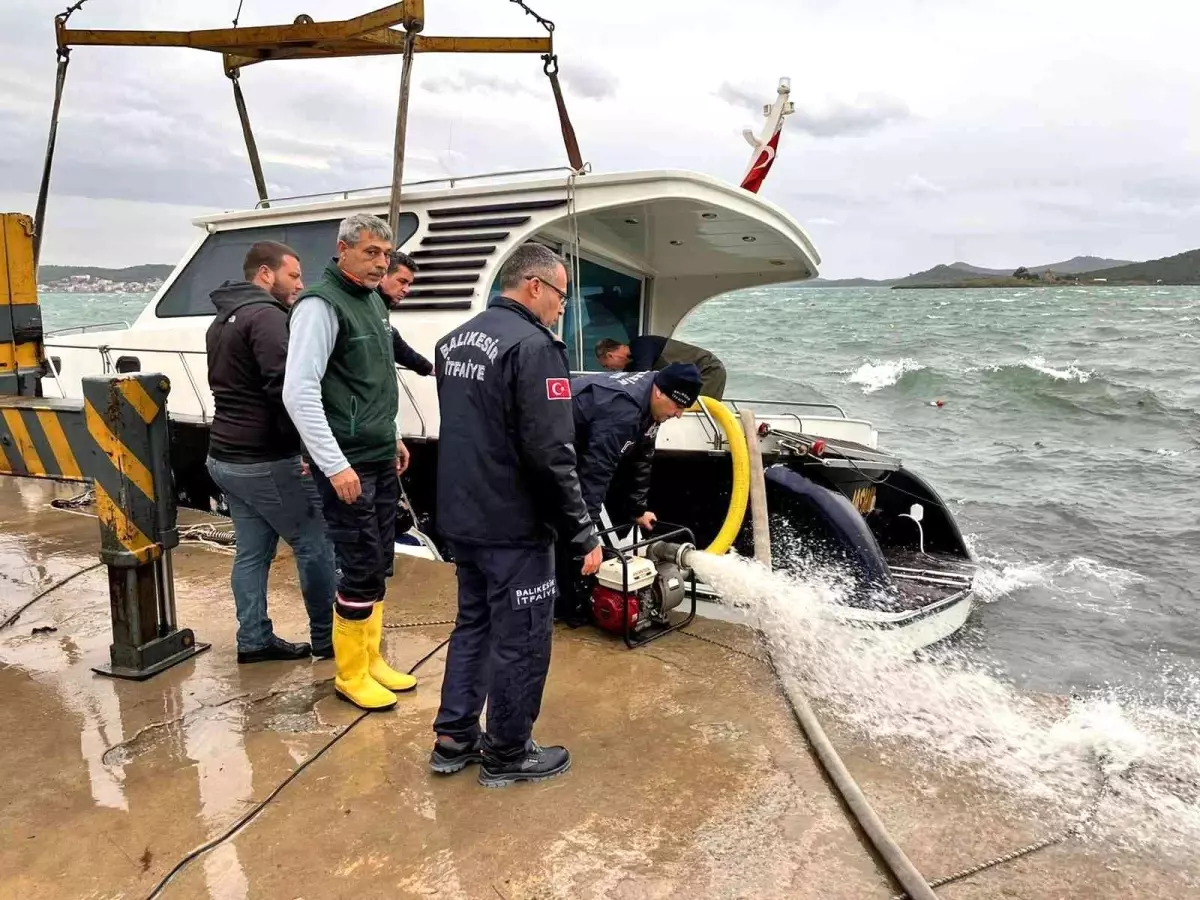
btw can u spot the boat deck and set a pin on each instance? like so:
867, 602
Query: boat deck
690, 778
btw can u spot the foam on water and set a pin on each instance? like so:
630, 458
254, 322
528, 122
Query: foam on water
876, 375
968, 720
1071, 373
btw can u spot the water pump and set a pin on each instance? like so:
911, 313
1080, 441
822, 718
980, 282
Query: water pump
634, 593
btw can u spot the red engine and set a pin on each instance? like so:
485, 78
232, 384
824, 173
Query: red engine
607, 606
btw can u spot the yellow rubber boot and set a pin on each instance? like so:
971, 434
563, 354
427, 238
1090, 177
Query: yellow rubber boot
379, 669
353, 681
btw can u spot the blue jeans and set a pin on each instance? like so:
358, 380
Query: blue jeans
269, 501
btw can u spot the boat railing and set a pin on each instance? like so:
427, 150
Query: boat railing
105, 351
413, 402
716, 436
84, 329
450, 180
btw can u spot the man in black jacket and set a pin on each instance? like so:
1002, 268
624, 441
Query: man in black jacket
651, 352
395, 287
254, 455
616, 422
506, 486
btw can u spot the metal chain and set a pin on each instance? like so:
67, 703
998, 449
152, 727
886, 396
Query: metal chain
417, 624
542, 20
1071, 831
700, 637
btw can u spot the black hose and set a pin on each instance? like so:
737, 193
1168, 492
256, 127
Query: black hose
262, 804
50, 590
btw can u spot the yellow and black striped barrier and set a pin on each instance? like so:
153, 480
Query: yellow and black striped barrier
22, 356
117, 439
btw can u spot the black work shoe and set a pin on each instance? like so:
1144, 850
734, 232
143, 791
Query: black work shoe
451, 756
536, 764
277, 648
323, 652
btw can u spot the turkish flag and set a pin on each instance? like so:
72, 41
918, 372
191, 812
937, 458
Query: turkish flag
758, 172
558, 388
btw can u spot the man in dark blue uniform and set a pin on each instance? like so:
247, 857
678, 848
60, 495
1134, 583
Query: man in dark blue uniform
507, 486
616, 423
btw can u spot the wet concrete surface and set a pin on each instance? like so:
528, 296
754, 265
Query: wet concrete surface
690, 779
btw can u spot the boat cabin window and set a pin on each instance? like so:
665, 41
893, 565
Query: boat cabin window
219, 259
612, 308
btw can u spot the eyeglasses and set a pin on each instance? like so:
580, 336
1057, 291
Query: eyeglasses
562, 295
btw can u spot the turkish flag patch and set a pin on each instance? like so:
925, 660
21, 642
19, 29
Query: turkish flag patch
558, 388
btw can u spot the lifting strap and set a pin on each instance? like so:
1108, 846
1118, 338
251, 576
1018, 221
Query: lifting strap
550, 67
64, 59
564, 120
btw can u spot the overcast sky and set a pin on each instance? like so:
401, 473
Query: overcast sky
926, 131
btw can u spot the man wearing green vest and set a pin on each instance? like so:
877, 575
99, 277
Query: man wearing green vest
340, 391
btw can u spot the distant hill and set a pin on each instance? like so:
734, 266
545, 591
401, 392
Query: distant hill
1078, 265
146, 272
958, 273
1183, 268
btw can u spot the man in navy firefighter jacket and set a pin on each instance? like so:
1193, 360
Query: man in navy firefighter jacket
507, 487
616, 422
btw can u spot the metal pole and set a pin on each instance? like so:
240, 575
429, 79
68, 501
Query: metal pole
758, 491
251, 147
410, 39
39, 216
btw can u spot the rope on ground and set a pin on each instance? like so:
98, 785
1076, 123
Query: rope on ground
262, 804
11, 620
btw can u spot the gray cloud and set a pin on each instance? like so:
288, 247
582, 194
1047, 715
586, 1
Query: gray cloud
740, 97
466, 81
866, 114
588, 81
843, 119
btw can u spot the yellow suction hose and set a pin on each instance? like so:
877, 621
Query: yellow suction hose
736, 439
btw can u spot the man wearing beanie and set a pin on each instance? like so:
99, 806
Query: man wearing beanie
616, 419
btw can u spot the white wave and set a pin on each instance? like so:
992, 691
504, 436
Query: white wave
965, 719
1071, 373
874, 376
1166, 451
1079, 576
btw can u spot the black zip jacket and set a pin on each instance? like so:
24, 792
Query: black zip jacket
247, 353
506, 452
613, 424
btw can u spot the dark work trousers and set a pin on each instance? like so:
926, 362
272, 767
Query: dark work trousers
574, 603
500, 648
363, 535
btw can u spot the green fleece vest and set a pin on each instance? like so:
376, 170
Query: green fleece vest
359, 390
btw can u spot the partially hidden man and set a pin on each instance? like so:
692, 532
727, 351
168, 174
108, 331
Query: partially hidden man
506, 486
341, 392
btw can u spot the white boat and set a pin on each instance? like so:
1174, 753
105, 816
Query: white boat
648, 248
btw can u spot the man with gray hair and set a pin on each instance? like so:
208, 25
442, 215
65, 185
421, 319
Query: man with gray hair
506, 487
340, 391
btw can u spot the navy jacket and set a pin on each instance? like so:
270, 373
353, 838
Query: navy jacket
506, 453
613, 423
